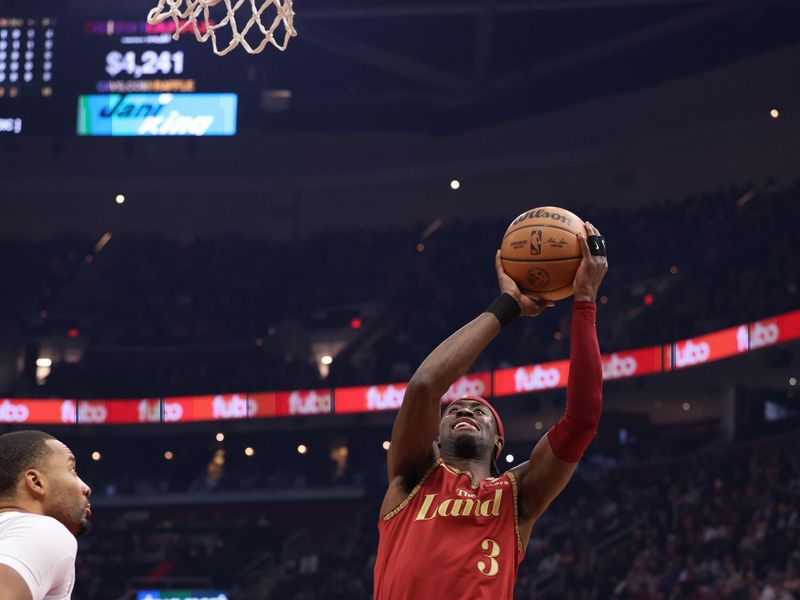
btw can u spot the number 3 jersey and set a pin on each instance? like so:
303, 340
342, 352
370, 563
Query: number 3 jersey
448, 540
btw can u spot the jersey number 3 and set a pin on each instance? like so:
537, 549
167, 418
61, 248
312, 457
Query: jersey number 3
489, 567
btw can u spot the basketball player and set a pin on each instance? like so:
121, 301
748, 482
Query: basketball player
43, 506
447, 528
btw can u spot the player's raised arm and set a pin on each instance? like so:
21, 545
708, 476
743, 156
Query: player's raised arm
417, 424
555, 456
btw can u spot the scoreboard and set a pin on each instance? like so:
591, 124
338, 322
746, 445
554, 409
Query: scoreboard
27, 49
27, 59
112, 78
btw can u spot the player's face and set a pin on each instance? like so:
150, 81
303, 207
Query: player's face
66, 496
467, 423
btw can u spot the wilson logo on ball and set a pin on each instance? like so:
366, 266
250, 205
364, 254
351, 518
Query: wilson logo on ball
541, 213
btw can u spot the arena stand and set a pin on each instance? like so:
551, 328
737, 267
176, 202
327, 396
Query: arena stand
285, 525
192, 316
719, 523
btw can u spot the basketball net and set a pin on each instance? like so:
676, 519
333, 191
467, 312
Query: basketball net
194, 16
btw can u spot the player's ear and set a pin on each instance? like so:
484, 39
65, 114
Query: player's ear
34, 483
499, 443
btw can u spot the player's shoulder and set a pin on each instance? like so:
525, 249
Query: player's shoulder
518, 470
56, 532
45, 531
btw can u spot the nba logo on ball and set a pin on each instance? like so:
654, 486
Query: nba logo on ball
536, 242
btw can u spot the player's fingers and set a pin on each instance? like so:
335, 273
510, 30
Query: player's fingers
545, 303
603, 258
498, 264
591, 229
584, 245
539, 304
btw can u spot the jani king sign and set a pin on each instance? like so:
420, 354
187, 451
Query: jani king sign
157, 114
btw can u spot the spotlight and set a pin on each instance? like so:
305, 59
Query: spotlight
455, 184
249, 451
386, 444
96, 455
220, 437
120, 199
302, 449
509, 458
686, 406
326, 360
169, 455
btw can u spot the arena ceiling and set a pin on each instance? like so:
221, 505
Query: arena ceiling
452, 65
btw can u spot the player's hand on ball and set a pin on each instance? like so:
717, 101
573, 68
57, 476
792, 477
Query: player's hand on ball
530, 305
592, 269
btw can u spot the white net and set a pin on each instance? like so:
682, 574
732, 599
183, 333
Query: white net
196, 16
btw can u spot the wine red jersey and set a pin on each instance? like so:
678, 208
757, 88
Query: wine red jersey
448, 540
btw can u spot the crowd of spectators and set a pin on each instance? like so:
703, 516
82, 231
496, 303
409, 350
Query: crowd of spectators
724, 524
720, 524
228, 314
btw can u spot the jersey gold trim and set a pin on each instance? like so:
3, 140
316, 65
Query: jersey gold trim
413, 493
513, 479
457, 471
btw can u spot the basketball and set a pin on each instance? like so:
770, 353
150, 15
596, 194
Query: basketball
541, 251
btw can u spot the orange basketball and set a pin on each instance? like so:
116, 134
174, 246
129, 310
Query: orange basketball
541, 251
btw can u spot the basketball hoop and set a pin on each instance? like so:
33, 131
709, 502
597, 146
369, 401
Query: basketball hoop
194, 15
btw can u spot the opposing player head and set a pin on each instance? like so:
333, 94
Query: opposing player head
470, 428
38, 475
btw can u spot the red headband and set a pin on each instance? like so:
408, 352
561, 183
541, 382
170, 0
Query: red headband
500, 429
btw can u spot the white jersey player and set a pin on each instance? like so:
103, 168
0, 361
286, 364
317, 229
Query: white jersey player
44, 505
